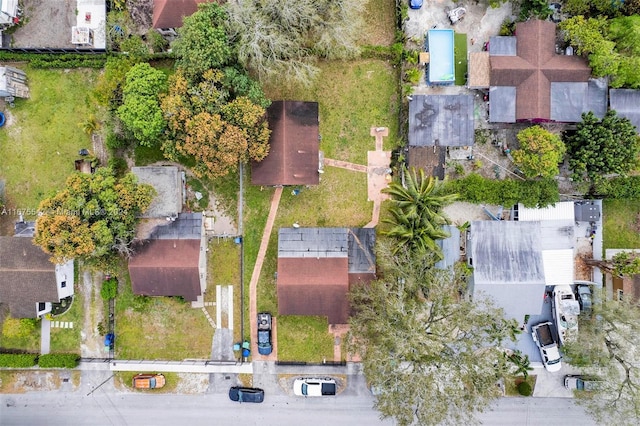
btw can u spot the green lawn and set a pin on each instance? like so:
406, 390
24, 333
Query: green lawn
379, 19
460, 58
159, 327
29, 343
353, 96
304, 339
69, 339
621, 222
39, 146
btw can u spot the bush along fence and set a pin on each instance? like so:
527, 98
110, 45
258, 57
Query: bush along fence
43, 361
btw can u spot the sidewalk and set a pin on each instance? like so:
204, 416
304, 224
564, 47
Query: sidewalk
45, 336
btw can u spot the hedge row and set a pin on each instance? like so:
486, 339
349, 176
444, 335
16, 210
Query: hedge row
18, 360
44, 361
532, 193
621, 187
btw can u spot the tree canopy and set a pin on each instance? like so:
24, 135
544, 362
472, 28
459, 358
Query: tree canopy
140, 110
623, 264
202, 42
608, 349
540, 152
280, 39
606, 146
416, 212
93, 217
207, 127
433, 356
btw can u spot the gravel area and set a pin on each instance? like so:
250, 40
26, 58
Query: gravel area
47, 24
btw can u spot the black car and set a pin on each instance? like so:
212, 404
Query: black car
264, 333
584, 298
242, 394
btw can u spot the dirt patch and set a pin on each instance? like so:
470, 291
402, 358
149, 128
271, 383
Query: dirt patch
31, 381
584, 250
92, 345
190, 383
461, 212
39, 29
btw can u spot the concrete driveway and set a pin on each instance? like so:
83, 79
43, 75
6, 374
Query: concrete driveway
479, 23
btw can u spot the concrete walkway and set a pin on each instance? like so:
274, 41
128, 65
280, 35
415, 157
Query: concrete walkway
255, 276
45, 336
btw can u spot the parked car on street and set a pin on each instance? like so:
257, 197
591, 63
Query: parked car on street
148, 381
109, 340
264, 333
242, 394
584, 298
314, 386
581, 383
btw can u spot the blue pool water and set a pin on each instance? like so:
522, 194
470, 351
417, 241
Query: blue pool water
441, 67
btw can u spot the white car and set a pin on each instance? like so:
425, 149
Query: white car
314, 387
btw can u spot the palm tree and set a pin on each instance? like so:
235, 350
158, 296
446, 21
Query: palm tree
416, 214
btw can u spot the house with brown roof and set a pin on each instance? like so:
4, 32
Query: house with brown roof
529, 81
172, 260
168, 14
29, 282
317, 266
294, 146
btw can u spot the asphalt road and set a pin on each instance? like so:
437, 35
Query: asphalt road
106, 408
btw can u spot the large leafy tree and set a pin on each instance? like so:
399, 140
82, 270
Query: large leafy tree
140, 111
608, 349
598, 147
622, 264
540, 152
432, 355
209, 128
93, 217
280, 39
202, 41
416, 212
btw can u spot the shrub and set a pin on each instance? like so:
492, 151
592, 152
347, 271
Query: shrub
413, 75
58, 360
18, 360
109, 289
524, 389
476, 189
18, 327
621, 187
118, 165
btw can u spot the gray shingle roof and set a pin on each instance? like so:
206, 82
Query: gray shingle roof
441, 120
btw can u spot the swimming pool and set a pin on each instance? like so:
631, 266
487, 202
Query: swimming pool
441, 66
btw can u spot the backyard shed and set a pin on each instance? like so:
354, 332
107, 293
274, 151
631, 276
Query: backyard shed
13, 83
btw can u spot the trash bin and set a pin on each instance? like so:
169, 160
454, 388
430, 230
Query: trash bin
245, 354
236, 346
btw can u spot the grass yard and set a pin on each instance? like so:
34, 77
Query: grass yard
621, 223
460, 58
353, 97
511, 384
29, 343
223, 267
304, 339
68, 339
379, 21
41, 140
165, 328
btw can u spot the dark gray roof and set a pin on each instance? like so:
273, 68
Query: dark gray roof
312, 242
450, 248
502, 104
187, 226
27, 277
626, 102
361, 243
570, 99
587, 211
502, 46
441, 120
